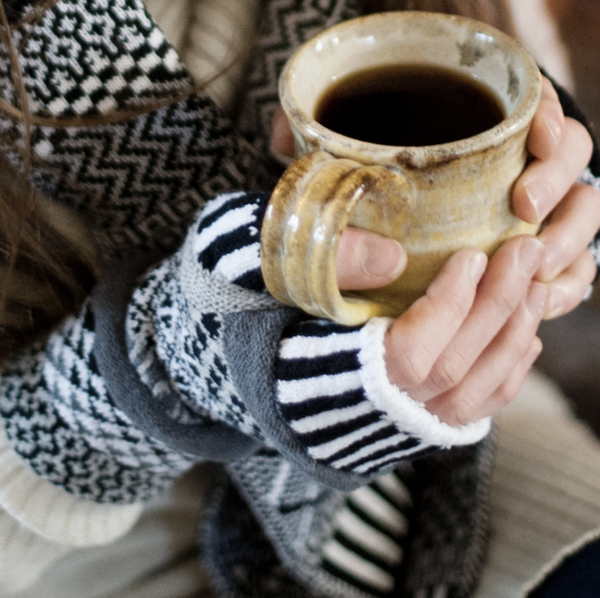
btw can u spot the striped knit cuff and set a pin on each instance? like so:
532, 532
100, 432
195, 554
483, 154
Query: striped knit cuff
333, 391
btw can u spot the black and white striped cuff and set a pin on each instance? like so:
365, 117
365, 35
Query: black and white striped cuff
228, 240
334, 393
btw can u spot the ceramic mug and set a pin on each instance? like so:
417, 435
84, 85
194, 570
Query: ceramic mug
434, 199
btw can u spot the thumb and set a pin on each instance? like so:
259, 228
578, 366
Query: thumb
366, 260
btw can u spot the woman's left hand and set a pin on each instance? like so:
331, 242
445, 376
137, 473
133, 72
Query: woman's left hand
547, 192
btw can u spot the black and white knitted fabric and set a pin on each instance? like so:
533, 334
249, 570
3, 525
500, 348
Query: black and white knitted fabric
335, 482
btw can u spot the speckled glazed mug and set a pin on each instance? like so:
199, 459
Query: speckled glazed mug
434, 199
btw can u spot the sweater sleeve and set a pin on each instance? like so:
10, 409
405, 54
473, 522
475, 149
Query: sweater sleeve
190, 360
322, 396
591, 174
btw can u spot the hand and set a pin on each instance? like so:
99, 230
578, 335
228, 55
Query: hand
464, 350
547, 191
465, 347
364, 260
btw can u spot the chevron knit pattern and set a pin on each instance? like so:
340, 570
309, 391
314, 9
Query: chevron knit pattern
139, 183
285, 25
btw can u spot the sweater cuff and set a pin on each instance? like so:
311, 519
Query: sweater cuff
334, 395
397, 404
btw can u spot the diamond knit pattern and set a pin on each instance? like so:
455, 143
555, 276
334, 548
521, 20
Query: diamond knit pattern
63, 423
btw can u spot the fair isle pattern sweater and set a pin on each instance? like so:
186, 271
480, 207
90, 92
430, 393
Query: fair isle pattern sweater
329, 470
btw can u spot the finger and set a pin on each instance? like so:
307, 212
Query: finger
545, 182
503, 287
570, 230
504, 394
282, 138
547, 126
417, 338
366, 260
489, 383
569, 289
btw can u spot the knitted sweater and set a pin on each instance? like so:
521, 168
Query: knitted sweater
181, 356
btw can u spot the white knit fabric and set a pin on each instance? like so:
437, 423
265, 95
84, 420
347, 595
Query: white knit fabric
545, 491
40, 523
53, 513
157, 559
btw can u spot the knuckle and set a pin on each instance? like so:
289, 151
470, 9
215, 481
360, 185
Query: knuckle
454, 306
416, 366
504, 304
449, 370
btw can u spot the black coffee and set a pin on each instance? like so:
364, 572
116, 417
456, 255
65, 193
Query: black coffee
409, 105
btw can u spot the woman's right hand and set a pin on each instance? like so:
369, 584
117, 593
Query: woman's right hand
465, 347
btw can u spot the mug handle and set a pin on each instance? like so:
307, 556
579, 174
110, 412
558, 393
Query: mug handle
308, 210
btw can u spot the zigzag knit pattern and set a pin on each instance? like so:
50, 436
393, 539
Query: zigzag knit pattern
141, 181
285, 25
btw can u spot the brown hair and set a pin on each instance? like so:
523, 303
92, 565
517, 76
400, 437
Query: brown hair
43, 273
47, 265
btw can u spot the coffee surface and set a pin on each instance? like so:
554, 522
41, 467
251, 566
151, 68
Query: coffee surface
409, 105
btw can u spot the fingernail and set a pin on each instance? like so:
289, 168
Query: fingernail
539, 192
477, 266
537, 300
381, 258
531, 253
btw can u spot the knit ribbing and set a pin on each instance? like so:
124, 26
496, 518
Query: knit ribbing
546, 493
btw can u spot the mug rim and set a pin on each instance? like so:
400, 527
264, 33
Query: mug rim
343, 146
